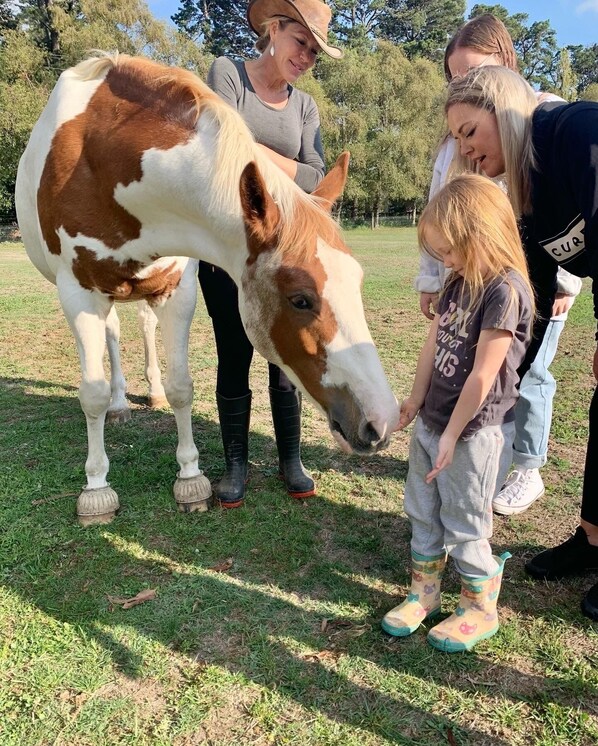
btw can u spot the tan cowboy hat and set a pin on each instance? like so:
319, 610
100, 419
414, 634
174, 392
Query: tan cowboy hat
313, 14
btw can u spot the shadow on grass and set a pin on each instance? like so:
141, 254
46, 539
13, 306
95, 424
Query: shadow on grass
295, 564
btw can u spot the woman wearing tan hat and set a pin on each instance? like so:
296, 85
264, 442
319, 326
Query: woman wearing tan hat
286, 124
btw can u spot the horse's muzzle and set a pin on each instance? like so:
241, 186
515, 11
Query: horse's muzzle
363, 439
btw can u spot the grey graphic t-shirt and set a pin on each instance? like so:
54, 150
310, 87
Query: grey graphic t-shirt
458, 334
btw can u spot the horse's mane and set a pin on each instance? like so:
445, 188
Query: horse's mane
303, 218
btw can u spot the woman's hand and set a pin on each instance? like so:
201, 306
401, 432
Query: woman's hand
428, 302
562, 303
409, 409
595, 365
446, 451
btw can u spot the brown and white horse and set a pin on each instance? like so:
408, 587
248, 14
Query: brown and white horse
133, 164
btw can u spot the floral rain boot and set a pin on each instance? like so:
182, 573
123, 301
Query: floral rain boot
475, 618
423, 600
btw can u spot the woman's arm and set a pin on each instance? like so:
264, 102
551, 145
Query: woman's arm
430, 279
491, 352
310, 167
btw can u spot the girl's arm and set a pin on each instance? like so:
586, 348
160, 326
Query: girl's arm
423, 375
491, 352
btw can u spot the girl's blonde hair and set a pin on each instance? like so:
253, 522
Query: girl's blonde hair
475, 218
511, 99
485, 34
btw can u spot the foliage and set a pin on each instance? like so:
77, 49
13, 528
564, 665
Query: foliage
391, 142
220, 26
565, 79
422, 27
584, 61
590, 93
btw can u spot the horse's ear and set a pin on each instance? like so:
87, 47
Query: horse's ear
332, 185
259, 209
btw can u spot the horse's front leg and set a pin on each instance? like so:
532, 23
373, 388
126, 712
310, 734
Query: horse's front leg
86, 313
192, 489
148, 321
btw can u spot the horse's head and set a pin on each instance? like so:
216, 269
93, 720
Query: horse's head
300, 300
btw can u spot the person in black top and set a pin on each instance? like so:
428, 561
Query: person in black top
549, 156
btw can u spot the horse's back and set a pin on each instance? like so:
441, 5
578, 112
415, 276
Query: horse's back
89, 142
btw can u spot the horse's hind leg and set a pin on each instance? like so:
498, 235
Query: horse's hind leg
192, 489
148, 321
86, 314
119, 410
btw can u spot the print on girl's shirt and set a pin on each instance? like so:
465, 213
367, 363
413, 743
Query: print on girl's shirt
452, 330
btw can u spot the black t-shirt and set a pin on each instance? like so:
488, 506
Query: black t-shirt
505, 304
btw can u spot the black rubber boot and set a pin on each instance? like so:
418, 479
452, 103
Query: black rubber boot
286, 416
234, 426
573, 557
589, 605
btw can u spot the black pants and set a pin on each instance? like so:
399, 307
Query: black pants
234, 349
589, 502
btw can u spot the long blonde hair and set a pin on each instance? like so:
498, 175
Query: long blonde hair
475, 218
511, 99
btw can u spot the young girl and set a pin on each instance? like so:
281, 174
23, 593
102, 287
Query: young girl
465, 393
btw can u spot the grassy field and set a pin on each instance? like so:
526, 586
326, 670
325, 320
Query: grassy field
284, 645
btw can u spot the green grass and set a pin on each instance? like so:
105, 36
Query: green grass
246, 657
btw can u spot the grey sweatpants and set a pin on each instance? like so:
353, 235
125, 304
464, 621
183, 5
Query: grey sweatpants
454, 511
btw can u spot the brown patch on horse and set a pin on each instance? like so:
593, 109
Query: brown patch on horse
118, 280
139, 105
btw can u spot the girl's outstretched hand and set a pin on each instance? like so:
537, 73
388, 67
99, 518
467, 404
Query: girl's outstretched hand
446, 451
409, 409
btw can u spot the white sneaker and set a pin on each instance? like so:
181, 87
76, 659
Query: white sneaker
522, 488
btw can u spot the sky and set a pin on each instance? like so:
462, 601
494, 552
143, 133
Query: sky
575, 21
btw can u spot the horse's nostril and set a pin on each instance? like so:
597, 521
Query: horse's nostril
369, 433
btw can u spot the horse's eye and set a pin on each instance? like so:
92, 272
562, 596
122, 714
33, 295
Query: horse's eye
301, 303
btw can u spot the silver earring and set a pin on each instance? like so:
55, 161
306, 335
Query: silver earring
272, 51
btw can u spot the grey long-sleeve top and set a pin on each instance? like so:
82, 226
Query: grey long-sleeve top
293, 132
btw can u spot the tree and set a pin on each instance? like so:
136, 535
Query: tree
590, 93
565, 79
356, 22
584, 61
219, 25
392, 131
535, 44
422, 27
8, 21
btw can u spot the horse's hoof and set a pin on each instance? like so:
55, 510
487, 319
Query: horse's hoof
192, 494
158, 402
97, 506
118, 416
95, 520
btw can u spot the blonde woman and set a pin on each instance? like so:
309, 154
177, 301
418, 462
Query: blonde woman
465, 391
548, 154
